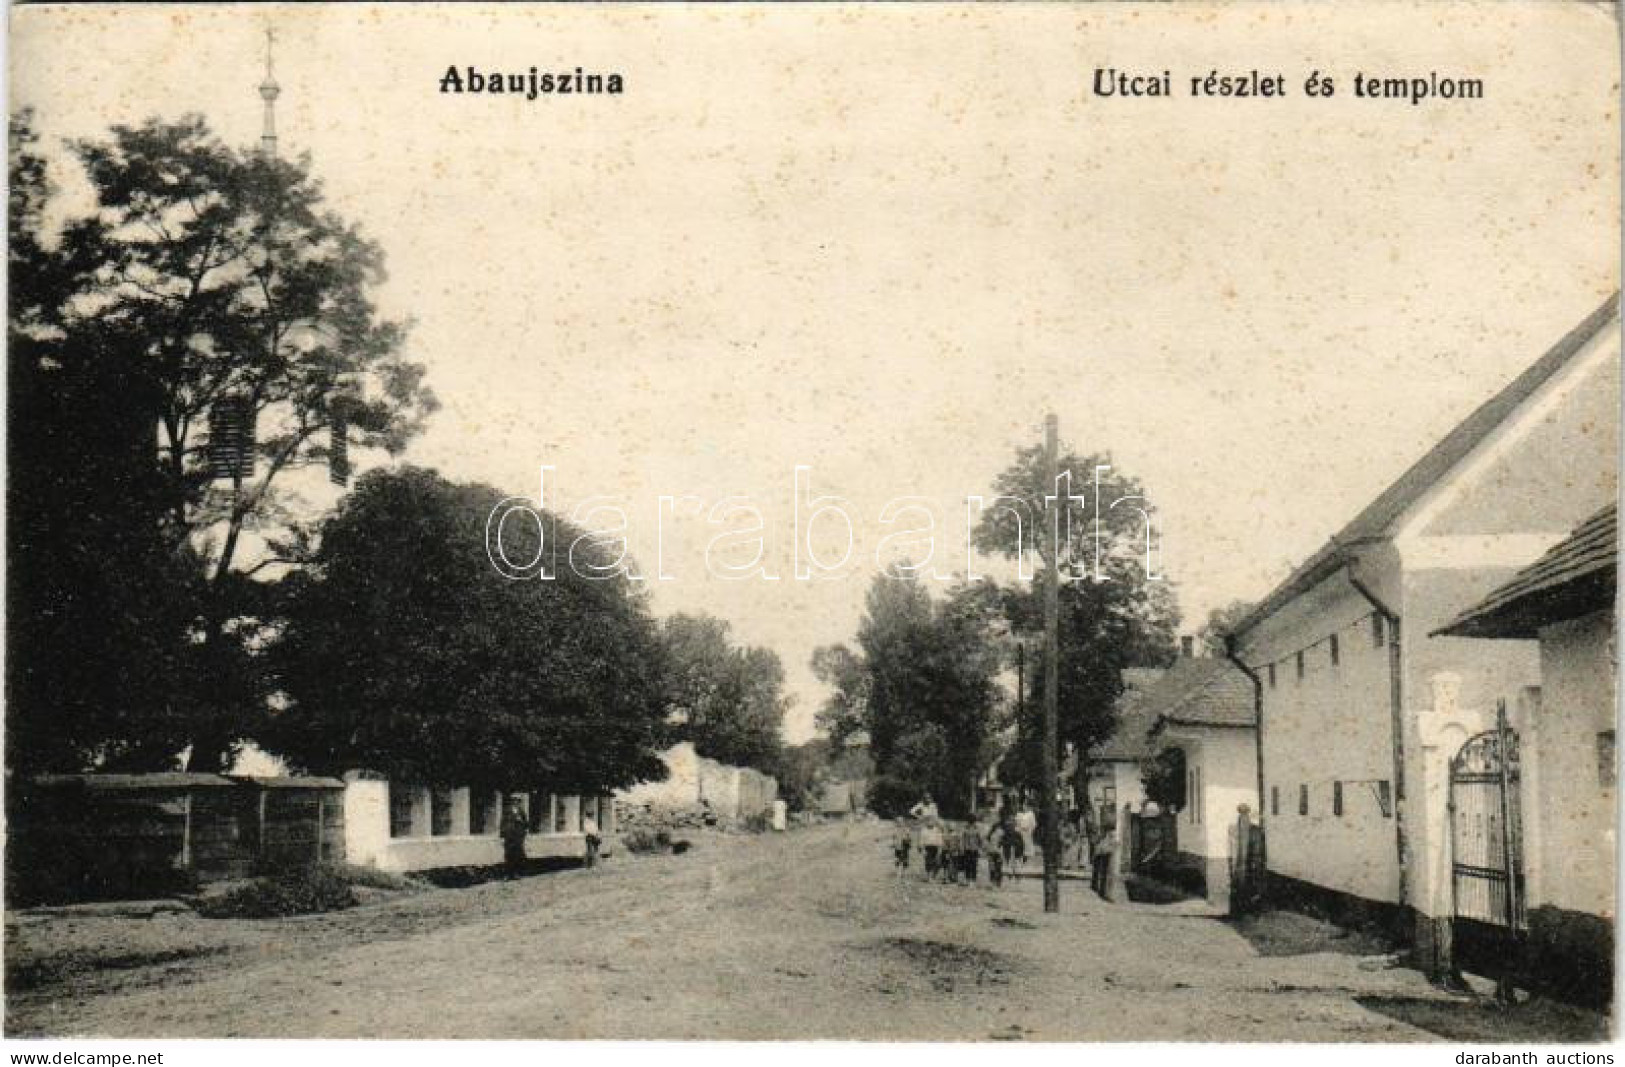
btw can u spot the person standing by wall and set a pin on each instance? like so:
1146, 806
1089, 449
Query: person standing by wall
589, 830
513, 830
1101, 860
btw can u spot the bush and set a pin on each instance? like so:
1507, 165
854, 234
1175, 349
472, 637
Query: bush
302, 892
642, 840
373, 878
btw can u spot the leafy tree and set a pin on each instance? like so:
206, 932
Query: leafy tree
101, 599
1114, 611
1220, 621
803, 771
405, 652
1164, 778
209, 277
730, 700
931, 699
846, 710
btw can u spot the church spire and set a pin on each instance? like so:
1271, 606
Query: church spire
269, 91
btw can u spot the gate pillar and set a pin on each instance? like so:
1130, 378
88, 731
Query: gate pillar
1441, 731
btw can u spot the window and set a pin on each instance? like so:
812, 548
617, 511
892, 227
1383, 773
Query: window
484, 812
1337, 798
400, 810
1272, 676
1376, 631
1275, 800
1303, 800
1385, 799
440, 812
541, 812
1607, 769
561, 821
1300, 666
1332, 646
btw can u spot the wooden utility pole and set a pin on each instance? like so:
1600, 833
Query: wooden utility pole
1051, 827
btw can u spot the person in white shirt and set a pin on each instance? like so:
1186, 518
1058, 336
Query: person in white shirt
589, 829
925, 810
1026, 824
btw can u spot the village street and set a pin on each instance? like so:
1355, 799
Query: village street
802, 935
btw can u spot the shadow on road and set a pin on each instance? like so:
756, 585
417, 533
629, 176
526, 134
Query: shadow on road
1481, 1020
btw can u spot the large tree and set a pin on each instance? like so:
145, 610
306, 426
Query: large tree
102, 600
728, 699
213, 282
1115, 608
923, 682
405, 652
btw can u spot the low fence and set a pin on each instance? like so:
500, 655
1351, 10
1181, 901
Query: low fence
123, 836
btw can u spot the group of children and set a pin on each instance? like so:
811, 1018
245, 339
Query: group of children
953, 851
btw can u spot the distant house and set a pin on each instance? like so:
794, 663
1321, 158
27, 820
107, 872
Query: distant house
1366, 707
845, 791
1204, 707
1565, 600
1117, 766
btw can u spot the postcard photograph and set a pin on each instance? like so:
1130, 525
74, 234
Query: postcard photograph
943, 522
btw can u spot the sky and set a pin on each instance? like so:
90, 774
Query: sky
882, 242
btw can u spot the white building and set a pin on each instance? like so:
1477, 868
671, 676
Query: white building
1356, 743
1566, 601
401, 827
1204, 707
695, 783
1117, 766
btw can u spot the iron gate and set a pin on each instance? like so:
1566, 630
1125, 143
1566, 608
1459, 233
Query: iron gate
1487, 831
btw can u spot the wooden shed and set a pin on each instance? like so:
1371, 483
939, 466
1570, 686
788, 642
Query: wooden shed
111, 836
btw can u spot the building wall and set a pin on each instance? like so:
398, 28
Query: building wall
1225, 761
1124, 779
1575, 796
1333, 725
1560, 467
368, 841
733, 793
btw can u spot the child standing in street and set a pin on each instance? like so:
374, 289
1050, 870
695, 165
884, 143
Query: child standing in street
902, 844
931, 846
970, 851
995, 854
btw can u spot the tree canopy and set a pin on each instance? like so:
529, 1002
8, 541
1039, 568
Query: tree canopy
728, 699
204, 279
405, 652
927, 670
1115, 609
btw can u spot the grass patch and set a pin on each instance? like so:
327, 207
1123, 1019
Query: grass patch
24, 975
1289, 933
948, 965
303, 892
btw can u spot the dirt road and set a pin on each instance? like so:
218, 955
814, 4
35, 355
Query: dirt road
804, 935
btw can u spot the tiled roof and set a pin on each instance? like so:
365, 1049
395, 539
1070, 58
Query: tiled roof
1129, 741
1374, 520
155, 780
1205, 691
1576, 577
